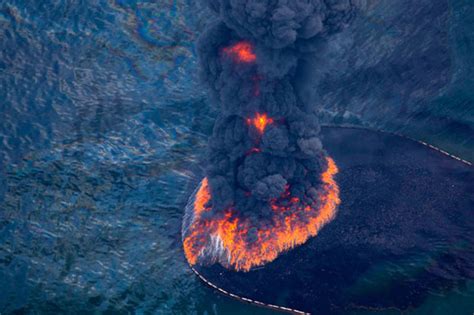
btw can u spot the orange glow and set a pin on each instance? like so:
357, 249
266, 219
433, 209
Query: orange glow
260, 121
224, 239
202, 197
241, 52
254, 150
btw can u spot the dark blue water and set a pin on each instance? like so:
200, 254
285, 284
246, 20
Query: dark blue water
103, 125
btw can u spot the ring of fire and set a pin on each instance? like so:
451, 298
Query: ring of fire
224, 239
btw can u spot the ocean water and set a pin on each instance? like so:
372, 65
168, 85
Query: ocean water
104, 125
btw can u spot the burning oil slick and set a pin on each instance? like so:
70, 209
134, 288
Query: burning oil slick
235, 242
269, 185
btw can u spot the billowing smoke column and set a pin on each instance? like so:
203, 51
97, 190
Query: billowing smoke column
269, 183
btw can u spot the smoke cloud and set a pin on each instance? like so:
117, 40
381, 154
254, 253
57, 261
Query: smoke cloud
277, 35
280, 24
265, 154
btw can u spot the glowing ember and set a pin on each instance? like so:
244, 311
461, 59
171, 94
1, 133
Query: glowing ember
241, 52
253, 151
260, 121
225, 239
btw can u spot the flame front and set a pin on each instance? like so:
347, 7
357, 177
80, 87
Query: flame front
260, 122
224, 239
241, 52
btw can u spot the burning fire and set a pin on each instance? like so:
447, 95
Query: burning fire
260, 121
253, 151
241, 52
224, 239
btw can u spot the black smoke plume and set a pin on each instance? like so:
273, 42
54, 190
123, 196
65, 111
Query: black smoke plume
248, 166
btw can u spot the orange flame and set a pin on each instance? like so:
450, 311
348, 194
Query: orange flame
260, 121
241, 52
253, 151
224, 239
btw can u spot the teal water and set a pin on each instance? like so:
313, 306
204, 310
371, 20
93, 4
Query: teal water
103, 129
